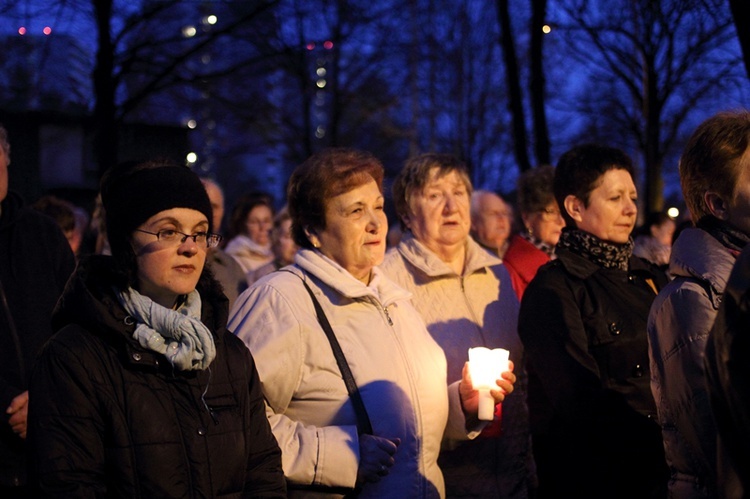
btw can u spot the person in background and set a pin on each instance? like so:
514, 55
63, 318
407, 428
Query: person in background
98, 229
653, 240
282, 244
491, 221
543, 223
35, 262
60, 211
250, 232
583, 324
142, 392
715, 180
80, 231
72, 219
224, 267
338, 219
463, 294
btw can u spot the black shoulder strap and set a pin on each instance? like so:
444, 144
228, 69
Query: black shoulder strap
363, 420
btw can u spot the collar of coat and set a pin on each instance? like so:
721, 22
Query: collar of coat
583, 268
477, 258
337, 277
699, 255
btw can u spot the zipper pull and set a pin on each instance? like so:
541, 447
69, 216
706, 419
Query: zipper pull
388, 316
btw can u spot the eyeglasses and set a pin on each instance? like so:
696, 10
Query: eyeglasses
260, 223
550, 214
171, 236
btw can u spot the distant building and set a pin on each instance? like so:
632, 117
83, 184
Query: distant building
52, 150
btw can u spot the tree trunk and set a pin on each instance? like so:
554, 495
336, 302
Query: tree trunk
654, 157
515, 99
537, 83
105, 127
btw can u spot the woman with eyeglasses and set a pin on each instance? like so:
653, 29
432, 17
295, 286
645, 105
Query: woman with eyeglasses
250, 233
543, 223
142, 392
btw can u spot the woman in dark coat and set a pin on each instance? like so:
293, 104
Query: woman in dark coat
583, 324
142, 392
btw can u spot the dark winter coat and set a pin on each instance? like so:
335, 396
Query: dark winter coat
679, 322
109, 418
35, 262
592, 414
727, 366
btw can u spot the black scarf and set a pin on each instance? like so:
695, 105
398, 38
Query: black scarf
603, 253
724, 233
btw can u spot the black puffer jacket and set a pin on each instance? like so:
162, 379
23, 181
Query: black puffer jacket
111, 419
35, 263
592, 413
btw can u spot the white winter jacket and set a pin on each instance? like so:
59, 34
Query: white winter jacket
249, 254
476, 308
399, 369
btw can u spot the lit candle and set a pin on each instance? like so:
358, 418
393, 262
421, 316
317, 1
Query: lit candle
485, 366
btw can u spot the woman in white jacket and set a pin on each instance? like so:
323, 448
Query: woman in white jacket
336, 202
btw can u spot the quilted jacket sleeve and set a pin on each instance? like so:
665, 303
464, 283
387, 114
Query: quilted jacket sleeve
678, 329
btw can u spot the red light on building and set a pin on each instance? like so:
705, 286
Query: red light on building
310, 46
47, 30
328, 44
22, 30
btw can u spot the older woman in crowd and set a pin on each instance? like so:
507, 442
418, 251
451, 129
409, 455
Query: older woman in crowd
715, 180
583, 323
142, 392
250, 232
464, 295
542, 222
336, 203
491, 221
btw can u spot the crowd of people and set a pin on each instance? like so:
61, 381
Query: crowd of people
314, 353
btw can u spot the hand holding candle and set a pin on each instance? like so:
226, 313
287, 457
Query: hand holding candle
489, 380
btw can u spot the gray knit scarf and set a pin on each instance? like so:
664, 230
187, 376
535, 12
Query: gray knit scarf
179, 334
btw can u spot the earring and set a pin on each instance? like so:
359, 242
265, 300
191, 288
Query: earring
528, 229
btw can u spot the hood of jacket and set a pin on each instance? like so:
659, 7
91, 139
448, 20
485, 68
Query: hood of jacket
416, 253
89, 301
699, 255
337, 277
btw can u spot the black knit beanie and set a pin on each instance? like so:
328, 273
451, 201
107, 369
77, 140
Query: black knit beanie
134, 192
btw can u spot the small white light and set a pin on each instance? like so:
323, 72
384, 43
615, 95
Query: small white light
211, 19
191, 158
485, 366
673, 212
191, 124
546, 29
189, 31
